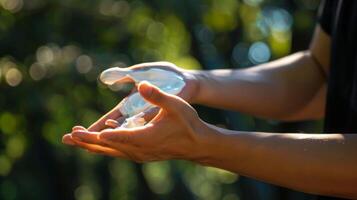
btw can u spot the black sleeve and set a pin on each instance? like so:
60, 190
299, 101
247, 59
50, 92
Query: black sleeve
325, 14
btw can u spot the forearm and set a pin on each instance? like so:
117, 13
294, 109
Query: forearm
278, 90
314, 163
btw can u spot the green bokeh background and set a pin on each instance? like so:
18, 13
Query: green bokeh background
51, 52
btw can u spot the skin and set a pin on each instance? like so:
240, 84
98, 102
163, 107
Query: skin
296, 86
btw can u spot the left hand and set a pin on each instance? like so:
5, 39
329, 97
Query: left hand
174, 133
189, 93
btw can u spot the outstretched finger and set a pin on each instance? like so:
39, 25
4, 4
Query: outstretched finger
87, 137
67, 139
148, 116
101, 150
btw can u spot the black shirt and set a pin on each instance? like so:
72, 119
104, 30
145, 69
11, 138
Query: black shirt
338, 18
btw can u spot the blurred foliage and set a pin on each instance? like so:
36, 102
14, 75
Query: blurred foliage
51, 53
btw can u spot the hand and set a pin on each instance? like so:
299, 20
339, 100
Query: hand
174, 133
191, 88
188, 93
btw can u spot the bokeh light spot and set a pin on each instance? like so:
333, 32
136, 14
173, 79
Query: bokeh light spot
84, 192
15, 146
278, 18
188, 62
37, 71
259, 52
240, 54
280, 43
105, 7
7, 122
70, 53
120, 8
204, 34
114, 8
12, 5
6, 65
155, 31
158, 176
84, 64
13, 77
5, 165
253, 2
44, 55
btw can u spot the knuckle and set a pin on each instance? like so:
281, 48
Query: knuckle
125, 139
114, 137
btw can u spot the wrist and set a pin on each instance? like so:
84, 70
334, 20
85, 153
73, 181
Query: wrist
205, 144
199, 79
222, 148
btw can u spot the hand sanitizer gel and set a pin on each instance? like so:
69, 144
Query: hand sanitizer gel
134, 106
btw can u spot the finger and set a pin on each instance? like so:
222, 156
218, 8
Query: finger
168, 102
124, 136
101, 150
67, 139
112, 123
151, 113
87, 137
100, 124
148, 115
115, 123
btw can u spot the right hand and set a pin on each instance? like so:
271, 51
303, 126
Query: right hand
191, 88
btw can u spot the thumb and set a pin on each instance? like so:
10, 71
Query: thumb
154, 95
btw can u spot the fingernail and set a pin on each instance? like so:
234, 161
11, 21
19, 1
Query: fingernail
78, 128
78, 134
112, 123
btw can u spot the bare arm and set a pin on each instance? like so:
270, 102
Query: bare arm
314, 163
291, 88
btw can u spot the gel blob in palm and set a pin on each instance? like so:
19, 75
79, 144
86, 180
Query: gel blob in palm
134, 105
